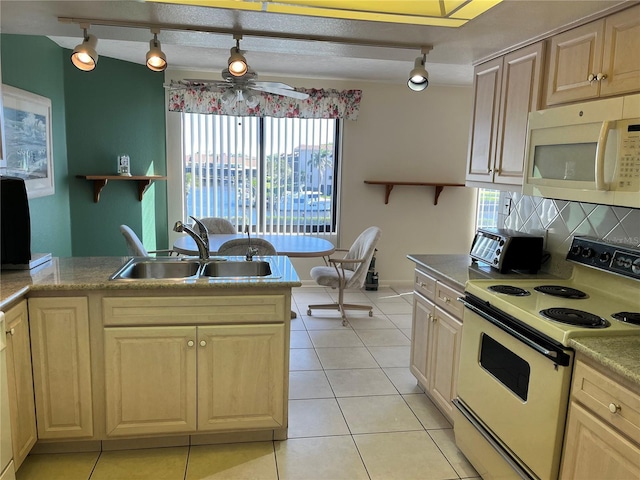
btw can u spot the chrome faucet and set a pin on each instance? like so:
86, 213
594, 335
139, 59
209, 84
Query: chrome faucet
203, 246
250, 251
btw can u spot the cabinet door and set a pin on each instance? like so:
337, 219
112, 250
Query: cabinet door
20, 380
593, 450
150, 380
621, 57
521, 85
444, 356
61, 366
486, 93
573, 56
423, 315
241, 377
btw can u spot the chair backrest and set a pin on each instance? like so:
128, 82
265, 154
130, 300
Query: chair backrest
239, 246
134, 245
218, 225
363, 247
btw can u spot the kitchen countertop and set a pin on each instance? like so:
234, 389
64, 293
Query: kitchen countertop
619, 354
456, 270
92, 273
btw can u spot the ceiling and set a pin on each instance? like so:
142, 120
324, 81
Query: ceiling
342, 49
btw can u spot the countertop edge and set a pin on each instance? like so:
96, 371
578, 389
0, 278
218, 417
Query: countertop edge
611, 353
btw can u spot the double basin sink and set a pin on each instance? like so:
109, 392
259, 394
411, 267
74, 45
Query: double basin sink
154, 268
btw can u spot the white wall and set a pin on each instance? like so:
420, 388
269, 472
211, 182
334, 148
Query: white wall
404, 136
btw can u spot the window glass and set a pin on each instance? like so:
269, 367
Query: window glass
274, 174
487, 210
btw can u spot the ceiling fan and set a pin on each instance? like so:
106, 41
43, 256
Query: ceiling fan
239, 82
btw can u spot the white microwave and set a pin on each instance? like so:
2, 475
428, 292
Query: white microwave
587, 152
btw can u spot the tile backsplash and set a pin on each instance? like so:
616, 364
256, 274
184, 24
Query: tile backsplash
560, 220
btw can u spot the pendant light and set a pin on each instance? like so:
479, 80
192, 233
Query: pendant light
84, 56
156, 59
419, 77
237, 63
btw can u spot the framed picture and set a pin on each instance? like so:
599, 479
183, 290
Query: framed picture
27, 141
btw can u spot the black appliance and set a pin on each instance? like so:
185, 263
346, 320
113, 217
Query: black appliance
507, 250
15, 223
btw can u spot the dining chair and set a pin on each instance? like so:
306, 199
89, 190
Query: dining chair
240, 246
218, 225
347, 272
135, 248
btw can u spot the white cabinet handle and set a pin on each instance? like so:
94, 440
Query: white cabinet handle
190, 343
601, 76
203, 343
592, 77
12, 331
613, 408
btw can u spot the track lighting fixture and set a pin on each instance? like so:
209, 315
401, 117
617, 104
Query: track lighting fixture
237, 63
156, 59
84, 56
419, 77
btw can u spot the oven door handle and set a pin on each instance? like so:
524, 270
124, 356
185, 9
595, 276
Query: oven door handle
514, 333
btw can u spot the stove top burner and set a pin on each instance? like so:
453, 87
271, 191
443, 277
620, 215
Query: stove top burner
629, 317
509, 290
560, 291
575, 317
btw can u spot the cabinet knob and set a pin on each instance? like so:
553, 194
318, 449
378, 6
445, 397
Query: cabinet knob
446, 299
613, 408
592, 77
601, 76
190, 343
12, 331
203, 343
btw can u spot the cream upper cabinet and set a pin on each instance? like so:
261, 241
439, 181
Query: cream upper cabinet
602, 438
61, 367
506, 89
435, 339
595, 60
20, 381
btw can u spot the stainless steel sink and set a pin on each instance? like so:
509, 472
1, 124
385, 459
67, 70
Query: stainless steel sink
155, 268
152, 268
237, 269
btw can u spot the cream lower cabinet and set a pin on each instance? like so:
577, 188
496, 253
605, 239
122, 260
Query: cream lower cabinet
602, 438
20, 382
435, 340
185, 379
61, 367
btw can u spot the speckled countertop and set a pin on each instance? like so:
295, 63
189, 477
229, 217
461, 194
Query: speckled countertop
457, 269
620, 354
92, 273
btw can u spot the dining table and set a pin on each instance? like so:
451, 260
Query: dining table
289, 245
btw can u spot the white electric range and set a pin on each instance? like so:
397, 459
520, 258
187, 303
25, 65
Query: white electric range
516, 359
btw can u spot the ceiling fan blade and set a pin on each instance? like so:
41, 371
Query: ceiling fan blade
280, 85
282, 91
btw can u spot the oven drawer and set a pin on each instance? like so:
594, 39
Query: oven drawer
608, 399
447, 298
425, 284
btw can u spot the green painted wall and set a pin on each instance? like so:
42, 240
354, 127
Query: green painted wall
118, 108
35, 64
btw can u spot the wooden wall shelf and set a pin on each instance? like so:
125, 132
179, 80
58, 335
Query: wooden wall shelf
388, 184
99, 181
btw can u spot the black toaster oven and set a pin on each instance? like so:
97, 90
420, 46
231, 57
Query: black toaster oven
507, 250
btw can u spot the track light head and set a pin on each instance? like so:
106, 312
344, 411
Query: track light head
84, 56
419, 77
237, 63
156, 59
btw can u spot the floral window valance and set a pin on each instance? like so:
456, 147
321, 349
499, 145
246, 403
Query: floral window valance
321, 103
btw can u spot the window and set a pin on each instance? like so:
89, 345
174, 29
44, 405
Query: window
487, 210
274, 174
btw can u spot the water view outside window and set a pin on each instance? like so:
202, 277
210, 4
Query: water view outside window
276, 175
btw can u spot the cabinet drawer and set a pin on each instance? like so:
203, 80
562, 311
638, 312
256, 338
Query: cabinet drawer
425, 284
447, 298
193, 310
601, 394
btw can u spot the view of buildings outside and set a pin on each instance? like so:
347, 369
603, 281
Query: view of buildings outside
275, 175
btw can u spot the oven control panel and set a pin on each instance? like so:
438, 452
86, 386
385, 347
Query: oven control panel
607, 256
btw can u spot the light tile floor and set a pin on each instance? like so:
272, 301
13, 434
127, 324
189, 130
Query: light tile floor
355, 412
